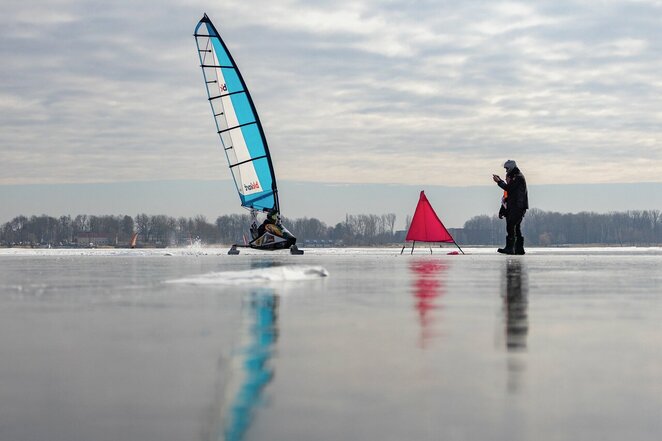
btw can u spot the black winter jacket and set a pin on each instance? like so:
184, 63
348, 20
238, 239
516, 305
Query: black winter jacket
518, 197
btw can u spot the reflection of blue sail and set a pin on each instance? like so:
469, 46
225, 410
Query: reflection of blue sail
255, 364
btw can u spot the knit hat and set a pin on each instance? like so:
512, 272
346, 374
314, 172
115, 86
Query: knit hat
509, 165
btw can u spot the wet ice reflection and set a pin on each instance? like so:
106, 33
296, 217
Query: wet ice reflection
515, 304
427, 288
251, 369
96, 351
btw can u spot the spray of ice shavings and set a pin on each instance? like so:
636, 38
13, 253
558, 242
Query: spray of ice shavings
286, 273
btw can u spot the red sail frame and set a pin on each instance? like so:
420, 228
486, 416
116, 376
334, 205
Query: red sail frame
426, 225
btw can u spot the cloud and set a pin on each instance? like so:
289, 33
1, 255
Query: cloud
372, 91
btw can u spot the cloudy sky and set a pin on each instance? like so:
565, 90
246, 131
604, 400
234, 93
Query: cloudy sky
402, 92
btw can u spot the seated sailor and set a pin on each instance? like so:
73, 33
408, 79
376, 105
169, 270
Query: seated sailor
271, 224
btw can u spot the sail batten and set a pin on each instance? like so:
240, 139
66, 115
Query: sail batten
237, 121
237, 127
248, 160
225, 94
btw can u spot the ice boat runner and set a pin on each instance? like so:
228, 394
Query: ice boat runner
243, 140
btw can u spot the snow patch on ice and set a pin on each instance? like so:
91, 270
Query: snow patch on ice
286, 273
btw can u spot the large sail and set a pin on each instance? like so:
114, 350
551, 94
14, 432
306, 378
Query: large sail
237, 121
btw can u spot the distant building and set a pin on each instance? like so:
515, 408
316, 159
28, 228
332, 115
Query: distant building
399, 236
94, 239
317, 243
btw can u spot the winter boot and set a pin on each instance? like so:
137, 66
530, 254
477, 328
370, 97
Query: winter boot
510, 246
519, 245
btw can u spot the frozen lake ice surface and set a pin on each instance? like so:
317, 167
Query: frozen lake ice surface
337, 344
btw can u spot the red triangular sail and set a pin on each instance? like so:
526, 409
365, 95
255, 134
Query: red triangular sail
426, 226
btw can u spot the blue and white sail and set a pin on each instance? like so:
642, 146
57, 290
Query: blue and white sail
237, 122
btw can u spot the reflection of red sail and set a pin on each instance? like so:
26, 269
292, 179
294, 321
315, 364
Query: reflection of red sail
427, 288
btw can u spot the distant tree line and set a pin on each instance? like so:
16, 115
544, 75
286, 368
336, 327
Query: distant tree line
540, 228
162, 230
545, 228
62, 231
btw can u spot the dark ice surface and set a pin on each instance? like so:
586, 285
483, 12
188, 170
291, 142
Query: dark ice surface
195, 345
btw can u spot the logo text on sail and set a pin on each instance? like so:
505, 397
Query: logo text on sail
252, 186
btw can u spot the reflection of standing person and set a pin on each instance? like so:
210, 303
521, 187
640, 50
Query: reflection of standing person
516, 304
515, 289
514, 206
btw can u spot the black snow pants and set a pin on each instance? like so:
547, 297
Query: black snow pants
513, 220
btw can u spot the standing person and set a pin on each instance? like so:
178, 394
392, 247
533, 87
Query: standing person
514, 205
